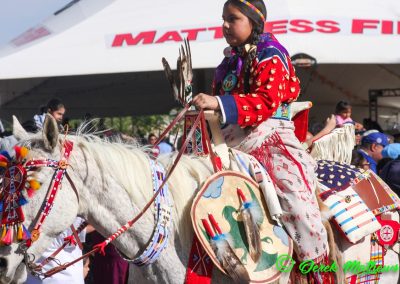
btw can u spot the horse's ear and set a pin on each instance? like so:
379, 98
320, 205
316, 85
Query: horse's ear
50, 132
18, 131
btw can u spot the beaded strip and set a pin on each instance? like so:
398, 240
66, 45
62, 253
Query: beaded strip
162, 217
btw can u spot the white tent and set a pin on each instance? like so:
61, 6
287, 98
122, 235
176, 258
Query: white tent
104, 56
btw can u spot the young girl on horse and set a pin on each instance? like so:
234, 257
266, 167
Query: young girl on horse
252, 89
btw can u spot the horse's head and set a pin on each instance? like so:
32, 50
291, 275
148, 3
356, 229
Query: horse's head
44, 145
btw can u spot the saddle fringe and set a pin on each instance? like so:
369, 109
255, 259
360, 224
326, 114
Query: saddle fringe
335, 146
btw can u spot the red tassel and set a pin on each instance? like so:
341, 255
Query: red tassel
70, 240
241, 195
207, 227
20, 153
101, 248
30, 191
8, 238
17, 152
214, 223
218, 163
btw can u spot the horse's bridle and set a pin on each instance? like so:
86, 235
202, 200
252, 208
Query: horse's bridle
60, 168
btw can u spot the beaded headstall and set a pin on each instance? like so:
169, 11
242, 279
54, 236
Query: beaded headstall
14, 182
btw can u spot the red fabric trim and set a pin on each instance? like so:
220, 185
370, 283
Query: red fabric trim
200, 266
300, 121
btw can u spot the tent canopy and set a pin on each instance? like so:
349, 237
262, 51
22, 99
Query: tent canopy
104, 56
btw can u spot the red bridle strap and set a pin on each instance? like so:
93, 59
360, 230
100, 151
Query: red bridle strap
55, 185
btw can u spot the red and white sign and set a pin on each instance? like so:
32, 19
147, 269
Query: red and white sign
363, 27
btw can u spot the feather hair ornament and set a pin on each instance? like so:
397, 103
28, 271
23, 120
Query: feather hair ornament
251, 215
224, 252
182, 84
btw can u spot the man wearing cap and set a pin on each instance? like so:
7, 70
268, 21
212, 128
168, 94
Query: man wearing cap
372, 144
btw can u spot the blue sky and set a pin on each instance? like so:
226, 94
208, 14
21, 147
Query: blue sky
16, 16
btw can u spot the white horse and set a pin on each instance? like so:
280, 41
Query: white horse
113, 182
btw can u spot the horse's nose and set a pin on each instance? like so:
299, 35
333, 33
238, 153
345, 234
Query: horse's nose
3, 263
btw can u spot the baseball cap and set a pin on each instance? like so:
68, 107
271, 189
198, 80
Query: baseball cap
391, 151
374, 137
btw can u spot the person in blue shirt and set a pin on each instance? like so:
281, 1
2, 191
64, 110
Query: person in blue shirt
372, 144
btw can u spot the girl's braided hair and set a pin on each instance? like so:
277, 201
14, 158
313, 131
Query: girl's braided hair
258, 29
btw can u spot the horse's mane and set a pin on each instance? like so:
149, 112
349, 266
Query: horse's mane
129, 165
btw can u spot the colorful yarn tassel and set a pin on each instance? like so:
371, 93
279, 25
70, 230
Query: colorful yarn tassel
20, 152
22, 201
8, 238
34, 184
4, 161
26, 235
19, 233
5, 154
3, 231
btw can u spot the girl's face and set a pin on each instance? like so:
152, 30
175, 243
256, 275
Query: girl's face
346, 113
237, 27
58, 114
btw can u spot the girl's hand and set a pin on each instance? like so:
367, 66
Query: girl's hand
330, 123
204, 101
